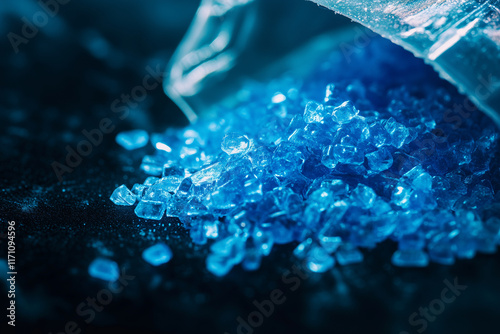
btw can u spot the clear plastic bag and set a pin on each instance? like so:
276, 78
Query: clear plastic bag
460, 39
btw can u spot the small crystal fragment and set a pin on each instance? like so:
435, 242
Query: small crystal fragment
410, 258
234, 143
157, 254
104, 269
313, 112
123, 196
380, 160
133, 139
344, 113
150, 209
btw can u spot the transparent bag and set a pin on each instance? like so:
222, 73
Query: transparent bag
460, 39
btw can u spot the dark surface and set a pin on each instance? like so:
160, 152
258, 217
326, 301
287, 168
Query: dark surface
55, 89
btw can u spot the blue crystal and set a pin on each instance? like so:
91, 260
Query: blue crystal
313, 112
123, 196
234, 143
104, 269
397, 131
139, 190
286, 159
152, 165
318, 260
219, 265
410, 258
348, 153
364, 195
151, 180
150, 209
374, 161
419, 178
348, 255
133, 139
344, 112
157, 254
328, 158
380, 160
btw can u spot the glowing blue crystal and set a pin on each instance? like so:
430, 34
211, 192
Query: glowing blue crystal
328, 157
348, 255
104, 269
314, 112
150, 209
397, 131
123, 196
234, 143
345, 112
318, 260
376, 160
380, 160
410, 258
157, 254
133, 139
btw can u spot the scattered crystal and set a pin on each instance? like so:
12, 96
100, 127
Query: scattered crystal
104, 269
133, 139
123, 196
157, 254
374, 161
150, 209
234, 143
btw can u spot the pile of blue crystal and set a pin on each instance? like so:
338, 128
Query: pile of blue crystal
371, 146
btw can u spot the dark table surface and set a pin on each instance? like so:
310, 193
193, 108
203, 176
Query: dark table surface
52, 91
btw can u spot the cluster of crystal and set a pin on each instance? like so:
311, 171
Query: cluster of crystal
336, 162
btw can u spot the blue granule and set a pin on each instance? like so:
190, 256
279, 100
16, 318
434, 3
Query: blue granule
104, 269
371, 146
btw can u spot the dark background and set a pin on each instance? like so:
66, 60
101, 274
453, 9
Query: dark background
58, 85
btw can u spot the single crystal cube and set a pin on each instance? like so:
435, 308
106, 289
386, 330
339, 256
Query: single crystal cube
252, 189
197, 234
380, 160
410, 258
104, 269
234, 143
348, 154
133, 139
139, 190
123, 196
169, 170
303, 248
379, 136
348, 255
150, 209
211, 229
364, 195
152, 165
401, 195
328, 158
151, 180
252, 259
208, 174
157, 254
287, 159
218, 264
313, 112
419, 178
345, 112
397, 131
330, 243
318, 260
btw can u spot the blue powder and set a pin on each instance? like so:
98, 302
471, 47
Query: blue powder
367, 149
